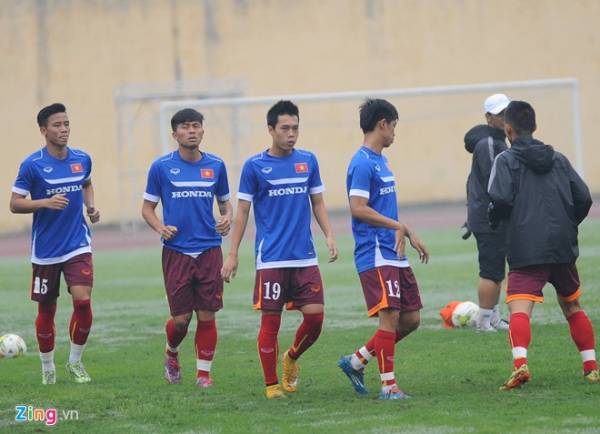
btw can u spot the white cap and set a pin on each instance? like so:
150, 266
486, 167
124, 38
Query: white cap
496, 103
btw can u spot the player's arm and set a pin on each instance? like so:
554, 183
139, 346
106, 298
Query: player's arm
362, 211
224, 222
239, 228
501, 192
20, 204
484, 159
320, 212
88, 201
150, 217
582, 199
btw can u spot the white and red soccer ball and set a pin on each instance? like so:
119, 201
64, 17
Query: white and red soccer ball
12, 346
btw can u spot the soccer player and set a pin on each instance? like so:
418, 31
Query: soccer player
283, 183
58, 181
388, 283
485, 142
535, 188
186, 181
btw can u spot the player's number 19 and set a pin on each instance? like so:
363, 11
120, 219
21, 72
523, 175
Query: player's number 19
273, 291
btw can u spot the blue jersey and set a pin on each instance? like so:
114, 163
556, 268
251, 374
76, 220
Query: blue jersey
56, 235
187, 192
370, 177
279, 188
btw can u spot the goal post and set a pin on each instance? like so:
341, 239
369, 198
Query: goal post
428, 153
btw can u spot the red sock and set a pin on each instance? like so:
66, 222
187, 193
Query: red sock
519, 334
268, 348
81, 321
206, 342
384, 349
370, 346
174, 336
582, 333
307, 334
44, 326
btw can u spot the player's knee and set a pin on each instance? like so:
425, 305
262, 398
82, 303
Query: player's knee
314, 321
570, 307
410, 325
182, 323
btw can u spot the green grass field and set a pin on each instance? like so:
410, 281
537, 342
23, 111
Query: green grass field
453, 375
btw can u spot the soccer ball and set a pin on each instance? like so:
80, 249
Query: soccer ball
465, 314
12, 346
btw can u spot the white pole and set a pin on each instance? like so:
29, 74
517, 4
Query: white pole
164, 126
577, 129
403, 92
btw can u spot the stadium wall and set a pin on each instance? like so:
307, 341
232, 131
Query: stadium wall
80, 51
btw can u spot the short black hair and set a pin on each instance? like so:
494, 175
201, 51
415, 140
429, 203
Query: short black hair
282, 107
186, 115
374, 110
46, 112
521, 117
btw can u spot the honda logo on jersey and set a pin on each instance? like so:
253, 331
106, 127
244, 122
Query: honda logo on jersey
301, 167
76, 168
207, 173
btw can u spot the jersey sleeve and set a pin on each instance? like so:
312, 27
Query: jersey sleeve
360, 181
223, 185
152, 192
24, 181
88, 173
248, 183
315, 184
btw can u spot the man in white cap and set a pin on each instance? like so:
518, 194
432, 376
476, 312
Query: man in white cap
485, 142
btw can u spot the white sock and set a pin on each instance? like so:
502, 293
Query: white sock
485, 317
587, 355
76, 352
519, 352
47, 361
356, 362
496, 314
203, 365
387, 377
172, 349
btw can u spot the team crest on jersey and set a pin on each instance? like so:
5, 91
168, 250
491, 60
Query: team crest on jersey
207, 173
301, 167
266, 170
76, 168
47, 169
175, 171
377, 168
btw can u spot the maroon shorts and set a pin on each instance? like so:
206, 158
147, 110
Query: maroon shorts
527, 283
390, 287
45, 282
193, 283
294, 287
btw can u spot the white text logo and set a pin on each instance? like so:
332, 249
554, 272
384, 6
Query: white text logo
192, 193
387, 190
287, 190
60, 190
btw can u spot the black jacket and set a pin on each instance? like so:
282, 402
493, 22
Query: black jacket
484, 142
544, 199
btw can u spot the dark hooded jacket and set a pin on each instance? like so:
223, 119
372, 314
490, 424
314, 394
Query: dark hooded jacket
544, 200
484, 142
